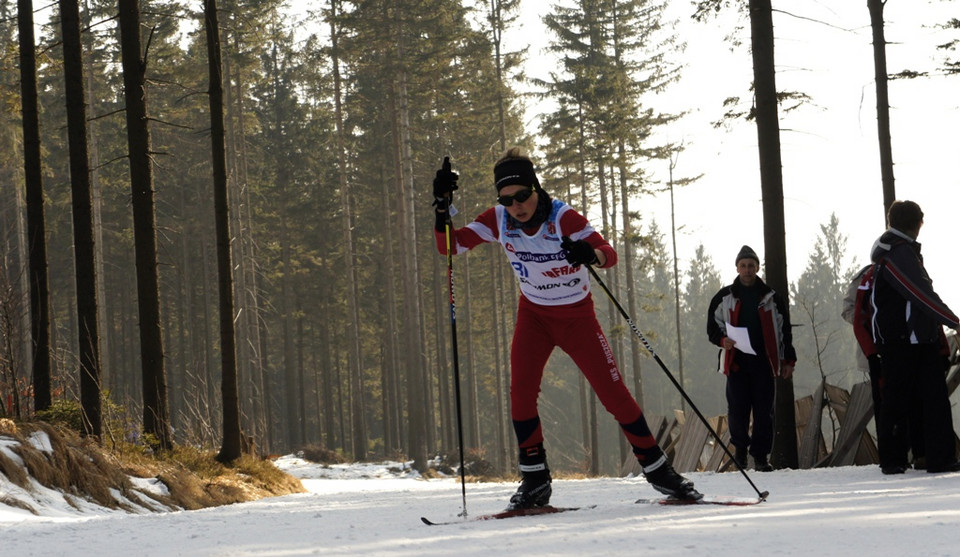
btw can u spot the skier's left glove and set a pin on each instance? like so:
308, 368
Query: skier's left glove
444, 184
579, 252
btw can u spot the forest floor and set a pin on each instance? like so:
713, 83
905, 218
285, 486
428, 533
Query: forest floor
40, 462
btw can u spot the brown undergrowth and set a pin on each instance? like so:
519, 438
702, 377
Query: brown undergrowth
60, 459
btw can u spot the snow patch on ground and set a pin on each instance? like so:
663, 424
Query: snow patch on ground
375, 509
41, 441
304, 469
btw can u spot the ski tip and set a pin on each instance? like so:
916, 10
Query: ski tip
427, 521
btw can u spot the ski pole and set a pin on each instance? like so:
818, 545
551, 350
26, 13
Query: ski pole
633, 327
448, 232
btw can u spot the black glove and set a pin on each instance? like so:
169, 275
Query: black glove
579, 252
444, 184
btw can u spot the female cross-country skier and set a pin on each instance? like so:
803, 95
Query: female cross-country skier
547, 244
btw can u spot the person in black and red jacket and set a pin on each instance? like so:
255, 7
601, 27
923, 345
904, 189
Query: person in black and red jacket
858, 311
547, 243
750, 304
908, 321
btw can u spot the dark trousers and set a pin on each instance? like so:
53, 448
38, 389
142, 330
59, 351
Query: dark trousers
750, 389
916, 408
915, 399
875, 371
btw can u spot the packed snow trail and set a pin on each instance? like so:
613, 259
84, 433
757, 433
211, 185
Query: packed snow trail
822, 512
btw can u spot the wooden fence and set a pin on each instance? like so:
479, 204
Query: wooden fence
831, 431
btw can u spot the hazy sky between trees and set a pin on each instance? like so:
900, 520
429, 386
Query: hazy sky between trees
829, 146
830, 149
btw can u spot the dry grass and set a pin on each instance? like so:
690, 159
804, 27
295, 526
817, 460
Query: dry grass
14, 471
321, 455
196, 480
80, 468
7, 426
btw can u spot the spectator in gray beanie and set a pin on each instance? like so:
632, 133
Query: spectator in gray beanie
750, 305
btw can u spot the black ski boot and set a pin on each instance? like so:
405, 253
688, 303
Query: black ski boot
666, 480
535, 489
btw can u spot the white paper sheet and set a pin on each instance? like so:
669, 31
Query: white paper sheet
741, 337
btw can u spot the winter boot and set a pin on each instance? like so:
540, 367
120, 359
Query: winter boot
741, 456
535, 489
761, 464
666, 480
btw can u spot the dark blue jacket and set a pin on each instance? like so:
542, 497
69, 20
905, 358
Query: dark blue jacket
905, 307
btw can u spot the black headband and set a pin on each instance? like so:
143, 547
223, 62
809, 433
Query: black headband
514, 172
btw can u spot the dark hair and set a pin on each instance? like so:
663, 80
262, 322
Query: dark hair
904, 216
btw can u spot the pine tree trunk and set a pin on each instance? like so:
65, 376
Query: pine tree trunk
636, 349
84, 248
231, 448
349, 271
412, 349
262, 381
252, 371
103, 320
326, 403
156, 420
608, 227
784, 454
626, 251
429, 379
676, 291
883, 104
204, 344
392, 422
291, 420
186, 342
301, 379
36, 228
471, 416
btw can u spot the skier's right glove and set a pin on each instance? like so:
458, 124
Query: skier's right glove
444, 184
579, 252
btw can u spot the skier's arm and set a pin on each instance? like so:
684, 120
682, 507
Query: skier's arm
577, 227
480, 231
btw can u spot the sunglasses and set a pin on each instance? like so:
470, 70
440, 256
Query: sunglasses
519, 197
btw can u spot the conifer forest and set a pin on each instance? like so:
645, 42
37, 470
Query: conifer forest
217, 228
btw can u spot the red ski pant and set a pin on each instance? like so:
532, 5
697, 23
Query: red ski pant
541, 329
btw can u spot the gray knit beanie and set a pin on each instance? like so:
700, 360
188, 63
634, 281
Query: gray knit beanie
746, 252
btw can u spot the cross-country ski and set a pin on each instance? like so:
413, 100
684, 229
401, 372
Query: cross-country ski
507, 514
705, 500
